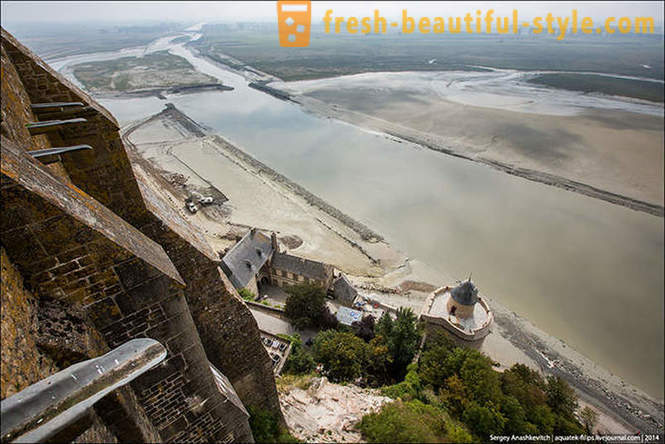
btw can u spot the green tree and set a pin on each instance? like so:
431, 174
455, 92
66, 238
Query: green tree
567, 426
589, 418
305, 305
561, 397
515, 415
480, 378
543, 418
344, 355
455, 395
525, 385
402, 336
483, 421
384, 327
409, 389
439, 363
379, 362
404, 341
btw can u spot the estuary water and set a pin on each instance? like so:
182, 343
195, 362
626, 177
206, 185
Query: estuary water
583, 270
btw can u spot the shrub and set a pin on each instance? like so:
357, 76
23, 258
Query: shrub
247, 294
410, 421
299, 361
265, 427
409, 389
344, 355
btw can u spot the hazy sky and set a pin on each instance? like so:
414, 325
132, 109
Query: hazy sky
126, 11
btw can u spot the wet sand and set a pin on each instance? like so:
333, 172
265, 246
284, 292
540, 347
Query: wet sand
608, 154
258, 199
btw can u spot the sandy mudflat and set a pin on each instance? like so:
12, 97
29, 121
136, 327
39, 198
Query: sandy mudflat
256, 201
164, 145
616, 151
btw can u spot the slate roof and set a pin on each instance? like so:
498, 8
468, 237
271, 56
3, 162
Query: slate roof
348, 316
305, 267
226, 388
246, 258
343, 290
465, 293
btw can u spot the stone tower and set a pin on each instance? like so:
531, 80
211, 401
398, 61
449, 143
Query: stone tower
463, 299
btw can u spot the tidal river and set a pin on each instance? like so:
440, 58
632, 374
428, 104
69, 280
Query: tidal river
583, 270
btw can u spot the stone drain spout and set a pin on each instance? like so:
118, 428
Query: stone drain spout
47, 407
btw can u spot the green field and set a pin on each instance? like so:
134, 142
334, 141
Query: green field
337, 54
60, 40
607, 85
157, 70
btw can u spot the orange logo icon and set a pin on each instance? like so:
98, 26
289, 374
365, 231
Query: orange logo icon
293, 20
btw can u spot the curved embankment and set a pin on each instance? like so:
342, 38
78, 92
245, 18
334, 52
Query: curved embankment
195, 129
365, 232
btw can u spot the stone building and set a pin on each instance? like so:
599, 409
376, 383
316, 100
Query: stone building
459, 310
343, 291
286, 269
246, 259
257, 259
92, 257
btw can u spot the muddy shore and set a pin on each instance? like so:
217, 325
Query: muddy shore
332, 238
430, 141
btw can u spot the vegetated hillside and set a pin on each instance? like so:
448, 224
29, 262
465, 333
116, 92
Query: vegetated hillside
338, 54
451, 394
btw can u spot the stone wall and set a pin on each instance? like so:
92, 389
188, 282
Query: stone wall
41, 337
71, 249
22, 362
81, 240
106, 174
227, 329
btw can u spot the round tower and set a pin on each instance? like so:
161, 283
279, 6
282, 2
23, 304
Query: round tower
462, 300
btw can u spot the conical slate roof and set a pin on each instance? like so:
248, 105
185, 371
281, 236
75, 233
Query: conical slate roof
465, 293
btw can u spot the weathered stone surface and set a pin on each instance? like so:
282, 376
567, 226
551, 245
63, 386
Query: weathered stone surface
23, 363
89, 273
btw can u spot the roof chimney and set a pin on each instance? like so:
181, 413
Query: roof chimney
273, 240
